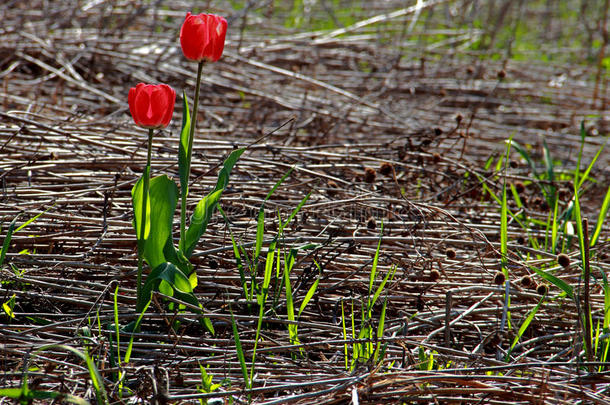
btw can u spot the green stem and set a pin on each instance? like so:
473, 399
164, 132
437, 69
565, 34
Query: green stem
141, 237
184, 191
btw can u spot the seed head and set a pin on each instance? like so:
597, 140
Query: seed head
542, 289
499, 278
369, 175
520, 187
563, 260
434, 275
371, 223
527, 281
450, 253
386, 168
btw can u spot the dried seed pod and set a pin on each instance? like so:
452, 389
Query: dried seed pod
501, 74
526, 281
371, 223
499, 278
386, 168
434, 275
563, 260
542, 289
450, 253
369, 175
520, 187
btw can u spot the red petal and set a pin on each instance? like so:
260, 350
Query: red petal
193, 36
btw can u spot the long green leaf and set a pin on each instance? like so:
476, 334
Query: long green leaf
31, 395
260, 221
375, 261
223, 175
163, 197
600, 219
309, 296
183, 148
96, 378
137, 198
240, 351
524, 326
562, 285
199, 221
7, 239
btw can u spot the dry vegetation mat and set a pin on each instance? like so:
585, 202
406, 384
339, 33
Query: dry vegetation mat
431, 262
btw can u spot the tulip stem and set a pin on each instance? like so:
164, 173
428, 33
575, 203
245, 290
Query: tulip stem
142, 230
189, 153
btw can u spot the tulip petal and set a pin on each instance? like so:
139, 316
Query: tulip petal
194, 37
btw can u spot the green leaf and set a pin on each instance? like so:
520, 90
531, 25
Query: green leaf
562, 285
205, 208
163, 196
309, 296
524, 326
183, 148
173, 276
30, 395
137, 198
375, 260
600, 219
240, 351
199, 220
223, 176
7, 240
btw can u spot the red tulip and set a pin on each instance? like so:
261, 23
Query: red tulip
152, 106
203, 37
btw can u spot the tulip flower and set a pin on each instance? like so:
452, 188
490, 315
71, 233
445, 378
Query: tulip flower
152, 106
202, 37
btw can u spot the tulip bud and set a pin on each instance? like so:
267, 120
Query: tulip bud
152, 106
202, 36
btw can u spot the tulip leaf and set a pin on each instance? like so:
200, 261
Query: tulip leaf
170, 280
205, 208
184, 152
223, 176
137, 198
199, 220
174, 278
163, 197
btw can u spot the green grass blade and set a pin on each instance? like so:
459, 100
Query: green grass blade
292, 328
240, 351
310, 293
260, 223
7, 240
375, 261
380, 287
136, 327
524, 326
296, 210
559, 283
585, 175
555, 226
345, 356
600, 219
96, 378
238, 257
